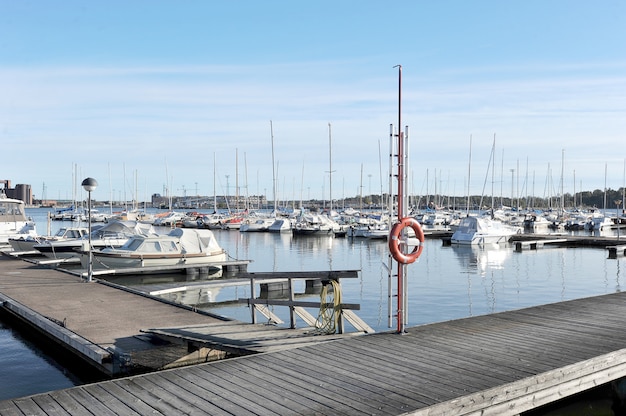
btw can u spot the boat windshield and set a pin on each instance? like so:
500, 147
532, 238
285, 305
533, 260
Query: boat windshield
11, 211
141, 245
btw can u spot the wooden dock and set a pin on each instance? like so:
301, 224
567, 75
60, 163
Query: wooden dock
499, 364
119, 331
535, 244
567, 240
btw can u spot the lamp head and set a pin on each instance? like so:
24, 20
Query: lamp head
89, 184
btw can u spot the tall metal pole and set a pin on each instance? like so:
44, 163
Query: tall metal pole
401, 208
89, 184
90, 271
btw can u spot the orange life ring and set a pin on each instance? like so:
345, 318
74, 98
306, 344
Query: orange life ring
395, 242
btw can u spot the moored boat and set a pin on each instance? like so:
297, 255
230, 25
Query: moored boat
113, 234
180, 247
26, 243
13, 220
313, 224
478, 231
256, 224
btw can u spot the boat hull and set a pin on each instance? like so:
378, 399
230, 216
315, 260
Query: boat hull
114, 261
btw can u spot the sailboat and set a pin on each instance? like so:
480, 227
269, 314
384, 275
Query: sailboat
310, 223
281, 224
474, 230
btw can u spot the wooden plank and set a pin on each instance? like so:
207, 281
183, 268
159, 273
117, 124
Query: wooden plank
50, 406
527, 394
219, 390
133, 402
91, 402
330, 384
302, 304
109, 400
149, 395
67, 399
247, 382
199, 395
179, 399
9, 407
264, 310
309, 319
365, 377
28, 406
307, 275
356, 322
437, 360
322, 401
407, 369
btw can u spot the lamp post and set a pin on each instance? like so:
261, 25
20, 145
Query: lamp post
89, 185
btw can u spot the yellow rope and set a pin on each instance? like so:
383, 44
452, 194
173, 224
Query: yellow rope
328, 318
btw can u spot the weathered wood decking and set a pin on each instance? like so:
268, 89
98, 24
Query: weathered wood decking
115, 330
499, 364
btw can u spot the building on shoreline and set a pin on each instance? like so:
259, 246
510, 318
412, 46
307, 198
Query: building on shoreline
21, 191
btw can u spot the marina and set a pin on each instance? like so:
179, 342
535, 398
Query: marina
534, 356
472, 265
479, 281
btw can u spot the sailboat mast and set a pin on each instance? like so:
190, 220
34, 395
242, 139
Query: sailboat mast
493, 165
562, 207
214, 188
273, 168
469, 172
330, 172
401, 207
237, 179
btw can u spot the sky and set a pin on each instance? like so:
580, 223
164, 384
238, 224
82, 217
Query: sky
187, 97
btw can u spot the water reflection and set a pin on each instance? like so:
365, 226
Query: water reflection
482, 258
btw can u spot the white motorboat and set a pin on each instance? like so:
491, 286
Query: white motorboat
478, 231
212, 221
314, 224
537, 223
26, 243
380, 232
260, 224
169, 219
280, 225
112, 234
13, 220
180, 247
598, 222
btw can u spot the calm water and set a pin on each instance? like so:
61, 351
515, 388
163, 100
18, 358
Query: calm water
446, 283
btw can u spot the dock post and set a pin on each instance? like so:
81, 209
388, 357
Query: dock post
292, 310
252, 296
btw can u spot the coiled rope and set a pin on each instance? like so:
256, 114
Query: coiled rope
328, 318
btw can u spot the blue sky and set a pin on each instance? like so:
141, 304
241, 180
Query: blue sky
144, 95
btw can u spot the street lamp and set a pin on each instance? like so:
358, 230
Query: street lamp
89, 185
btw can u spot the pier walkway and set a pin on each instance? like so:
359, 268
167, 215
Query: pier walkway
498, 364
118, 332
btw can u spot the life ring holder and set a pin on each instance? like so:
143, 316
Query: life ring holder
395, 241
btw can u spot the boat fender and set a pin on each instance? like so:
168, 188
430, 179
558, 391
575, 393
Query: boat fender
395, 242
